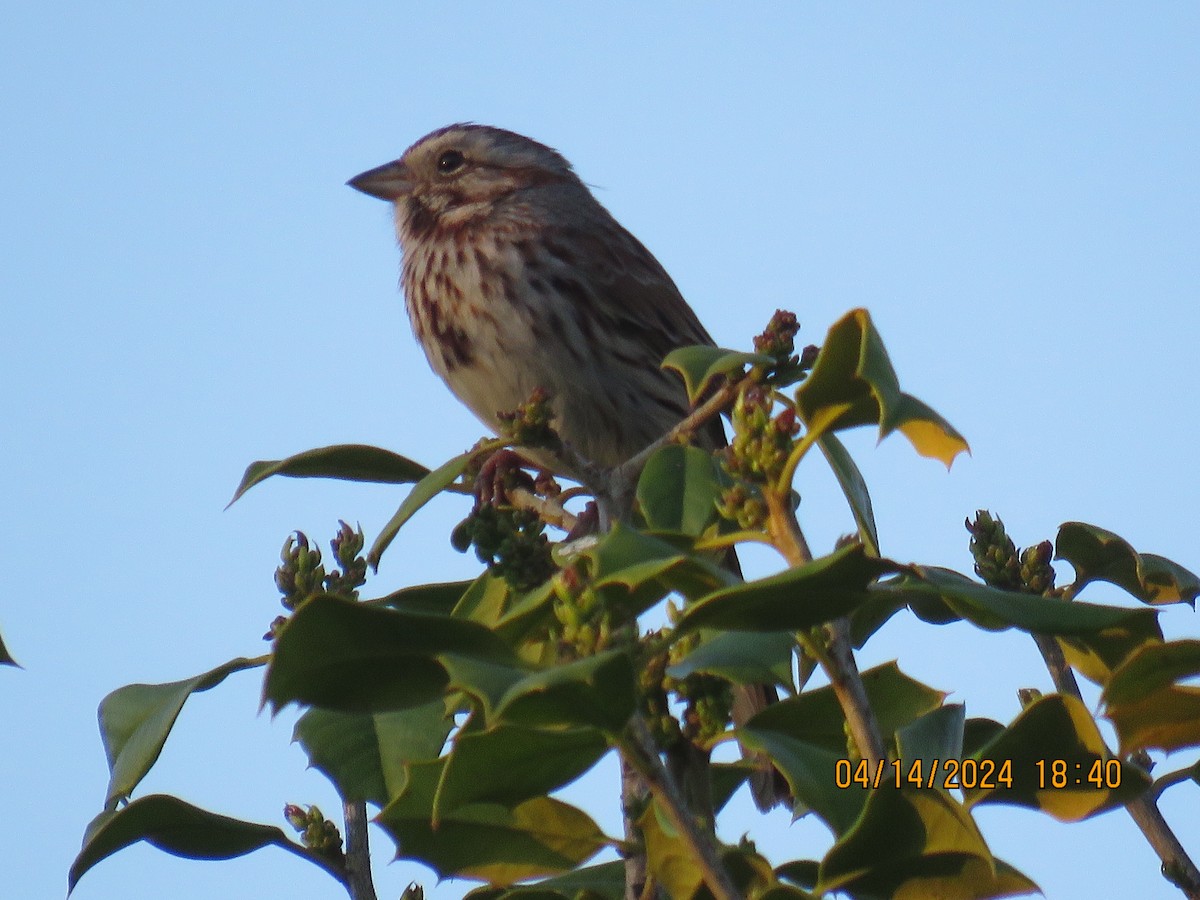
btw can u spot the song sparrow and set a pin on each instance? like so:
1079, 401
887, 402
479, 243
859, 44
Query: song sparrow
516, 278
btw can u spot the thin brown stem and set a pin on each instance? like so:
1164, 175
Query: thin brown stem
639, 751
713, 406
1162, 782
1061, 672
837, 655
548, 509
358, 852
633, 800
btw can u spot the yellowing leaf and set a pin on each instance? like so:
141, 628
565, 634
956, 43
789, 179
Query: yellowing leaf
971, 879
1147, 705
667, 857
1053, 758
901, 836
488, 841
1096, 656
853, 383
1100, 555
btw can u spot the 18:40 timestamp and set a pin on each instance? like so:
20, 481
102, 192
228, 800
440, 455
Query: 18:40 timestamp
1101, 774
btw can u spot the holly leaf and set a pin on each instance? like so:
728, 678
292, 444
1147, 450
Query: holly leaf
347, 462
701, 365
1148, 704
852, 383
1100, 555
180, 829
136, 719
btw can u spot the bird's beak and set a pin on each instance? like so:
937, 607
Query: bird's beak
388, 182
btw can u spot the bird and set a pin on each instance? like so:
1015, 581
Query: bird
516, 278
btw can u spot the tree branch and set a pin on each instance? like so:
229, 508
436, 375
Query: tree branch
358, 852
639, 751
836, 656
633, 799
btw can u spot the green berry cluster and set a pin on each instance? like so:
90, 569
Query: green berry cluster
316, 832
509, 542
999, 564
530, 424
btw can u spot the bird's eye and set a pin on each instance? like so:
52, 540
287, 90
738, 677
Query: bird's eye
450, 161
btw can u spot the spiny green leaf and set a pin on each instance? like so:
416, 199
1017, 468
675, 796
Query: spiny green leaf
136, 719
810, 770
937, 735
487, 841
423, 491
431, 599
805, 736
534, 762
350, 656
347, 462
1099, 555
632, 570
741, 657
700, 365
816, 717
364, 754
854, 488
802, 597
597, 691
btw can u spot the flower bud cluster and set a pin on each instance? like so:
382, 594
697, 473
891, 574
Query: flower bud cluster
316, 832
509, 542
779, 338
530, 425
301, 572
779, 342
999, 564
762, 440
743, 504
584, 623
995, 553
347, 548
1037, 575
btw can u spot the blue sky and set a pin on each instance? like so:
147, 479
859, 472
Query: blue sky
188, 286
